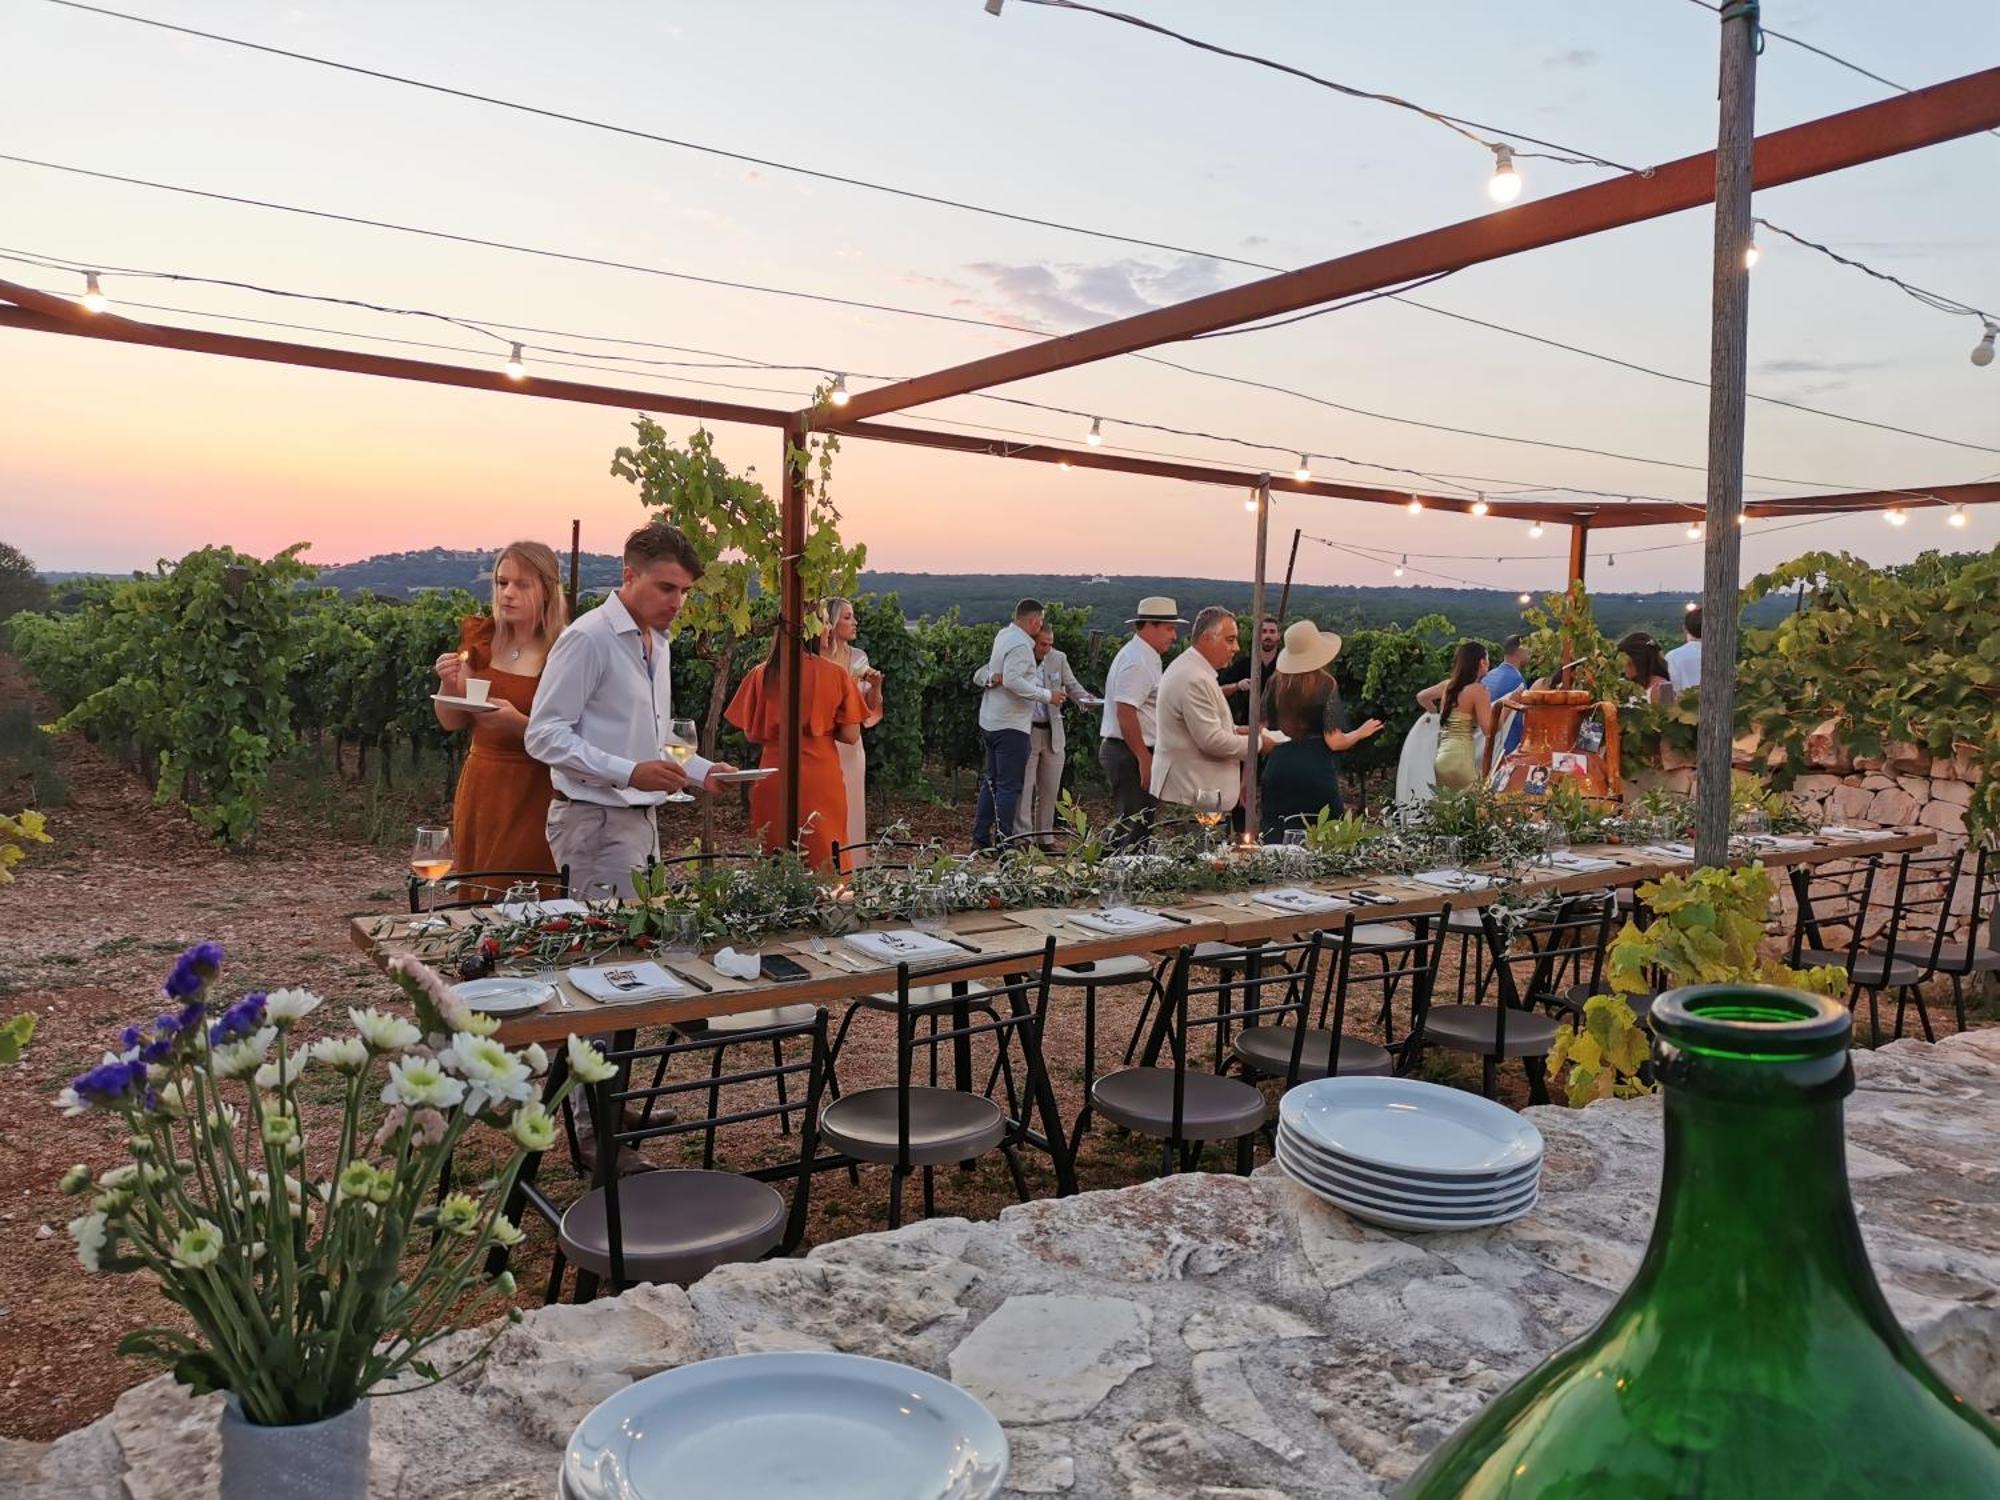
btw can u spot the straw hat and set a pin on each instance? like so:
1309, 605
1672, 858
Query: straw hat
1154, 609
1307, 647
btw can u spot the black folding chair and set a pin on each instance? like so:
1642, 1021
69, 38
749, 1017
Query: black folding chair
1973, 947
1836, 898
1919, 917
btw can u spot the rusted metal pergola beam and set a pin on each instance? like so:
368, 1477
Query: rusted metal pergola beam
1886, 128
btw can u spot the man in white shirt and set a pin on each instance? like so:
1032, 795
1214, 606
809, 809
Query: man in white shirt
1201, 749
1128, 729
1684, 662
1042, 782
1005, 715
600, 716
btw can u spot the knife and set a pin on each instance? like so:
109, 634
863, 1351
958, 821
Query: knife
687, 978
961, 943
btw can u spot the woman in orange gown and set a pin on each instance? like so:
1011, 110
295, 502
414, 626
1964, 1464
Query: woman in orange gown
831, 712
499, 818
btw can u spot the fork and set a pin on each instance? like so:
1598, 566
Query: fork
817, 946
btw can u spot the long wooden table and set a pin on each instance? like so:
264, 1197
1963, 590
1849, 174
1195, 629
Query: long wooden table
995, 941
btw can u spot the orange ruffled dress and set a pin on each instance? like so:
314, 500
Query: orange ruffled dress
499, 819
829, 700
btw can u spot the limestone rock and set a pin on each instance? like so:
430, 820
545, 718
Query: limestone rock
1958, 793
1847, 802
1893, 807
1946, 817
1043, 1358
1192, 1224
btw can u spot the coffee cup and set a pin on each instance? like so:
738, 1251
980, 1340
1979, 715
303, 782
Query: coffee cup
476, 689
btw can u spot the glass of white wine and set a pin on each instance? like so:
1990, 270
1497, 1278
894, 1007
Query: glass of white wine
679, 748
431, 857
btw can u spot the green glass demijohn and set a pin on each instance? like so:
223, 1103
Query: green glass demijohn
1753, 1354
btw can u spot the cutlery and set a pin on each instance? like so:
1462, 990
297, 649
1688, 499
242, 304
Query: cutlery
961, 943
819, 949
686, 978
1169, 916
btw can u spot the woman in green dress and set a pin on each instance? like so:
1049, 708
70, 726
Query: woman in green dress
1464, 706
1302, 776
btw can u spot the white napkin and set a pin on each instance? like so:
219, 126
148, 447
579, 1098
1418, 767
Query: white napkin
1669, 851
1121, 920
899, 944
737, 965
622, 984
1777, 843
1454, 880
1293, 899
1842, 831
1580, 864
535, 911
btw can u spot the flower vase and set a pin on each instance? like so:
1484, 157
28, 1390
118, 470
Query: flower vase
324, 1460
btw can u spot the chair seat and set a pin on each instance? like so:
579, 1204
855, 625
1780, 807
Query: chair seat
1952, 958
945, 1125
1869, 971
676, 1225
1120, 970
1642, 1004
1465, 919
753, 1020
1373, 935
1212, 1108
1471, 1028
923, 997
1268, 1050
1217, 955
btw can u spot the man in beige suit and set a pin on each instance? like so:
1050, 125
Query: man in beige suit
1198, 760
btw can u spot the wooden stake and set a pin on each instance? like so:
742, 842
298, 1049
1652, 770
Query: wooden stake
1285, 593
575, 561
1723, 555
1252, 829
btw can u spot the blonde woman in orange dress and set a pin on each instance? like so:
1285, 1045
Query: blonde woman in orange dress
831, 714
499, 818
836, 645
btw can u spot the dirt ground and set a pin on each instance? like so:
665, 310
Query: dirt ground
91, 926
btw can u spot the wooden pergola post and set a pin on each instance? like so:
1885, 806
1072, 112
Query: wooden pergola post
1252, 829
1579, 534
792, 609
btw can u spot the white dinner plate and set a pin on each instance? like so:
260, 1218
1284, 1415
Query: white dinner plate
1412, 1127
788, 1426
503, 995
466, 705
730, 778
1388, 1179
1408, 1197
1393, 1219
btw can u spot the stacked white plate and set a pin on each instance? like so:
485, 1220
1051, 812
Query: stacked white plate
1410, 1155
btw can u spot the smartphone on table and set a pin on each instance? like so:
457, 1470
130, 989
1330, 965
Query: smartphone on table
778, 968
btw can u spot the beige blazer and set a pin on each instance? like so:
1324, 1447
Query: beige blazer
1198, 759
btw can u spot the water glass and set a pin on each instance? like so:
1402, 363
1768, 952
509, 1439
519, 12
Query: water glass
1755, 820
680, 933
929, 910
1449, 852
1558, 836
1111, 887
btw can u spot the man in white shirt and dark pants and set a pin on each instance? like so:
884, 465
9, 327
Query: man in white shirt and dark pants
1005, 715
600, 716
1684, 661
1128, 730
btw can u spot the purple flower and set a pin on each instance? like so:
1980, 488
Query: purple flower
191, 1014
129, 1038
109, 1083
242, 1018
158, 1050
193, 969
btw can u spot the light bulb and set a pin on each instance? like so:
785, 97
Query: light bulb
1535, 531
1895, 517
1689, 607
1504, 186
515, 369
1695, 532
1957, 516
1743, 518
1611, 559
1402, 565
1303, 473
838, 395
1480, 507
1524, 599
1063, 464
1096, 437
1415, 507
1750, 255
94, 300
1250, 502
1982, 354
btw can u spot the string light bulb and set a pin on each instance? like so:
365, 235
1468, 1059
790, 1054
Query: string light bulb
1303, 473
1895, 516
1504, 186
1063, 464
1250, 502
1402, 565
1415, 507
1524, 599
1957, 517
94, 300
1689, 607
1695, 532
1751, 255
1480, 507
516, 369
1096, 438
1982, 353
1535, 529
838, 395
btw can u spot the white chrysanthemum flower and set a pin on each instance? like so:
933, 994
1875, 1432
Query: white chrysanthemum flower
224, 1117
587, 1063
458, 1214
76, 1180
173, 1102
495, 1075
533, 1128
118, 1177
116, 1201
419, 1081
286, 1006
538, 1060
244, 1058
199, 1247
89, 1234
344, 1054
475, 1021
383, 1033
505, 1232
68, 1102
276, 1075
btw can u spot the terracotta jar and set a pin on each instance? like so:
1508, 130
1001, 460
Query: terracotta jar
1548, 747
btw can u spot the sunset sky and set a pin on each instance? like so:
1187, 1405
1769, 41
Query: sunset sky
112, 457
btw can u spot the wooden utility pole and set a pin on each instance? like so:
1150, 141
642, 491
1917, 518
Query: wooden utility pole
792, 613
1728, 355
1285, 593
1252, 829
1579, 559
575, 558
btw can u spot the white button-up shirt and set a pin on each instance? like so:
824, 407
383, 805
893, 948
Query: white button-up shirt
1010, 704
1134, 678
1684, 666
600, 709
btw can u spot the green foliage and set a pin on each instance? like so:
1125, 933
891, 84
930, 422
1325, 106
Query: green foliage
21, 587
1380, 673
896, 745
1603, 1058
1563, 629
1326, 834
15, 1034
16, 832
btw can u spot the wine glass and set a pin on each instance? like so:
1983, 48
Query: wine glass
431, 858
679, 746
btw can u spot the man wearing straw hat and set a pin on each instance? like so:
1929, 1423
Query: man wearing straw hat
1128, 729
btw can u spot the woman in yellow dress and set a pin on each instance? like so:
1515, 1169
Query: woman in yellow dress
1463, 705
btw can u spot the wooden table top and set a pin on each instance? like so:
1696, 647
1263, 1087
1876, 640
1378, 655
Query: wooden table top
1002, 937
